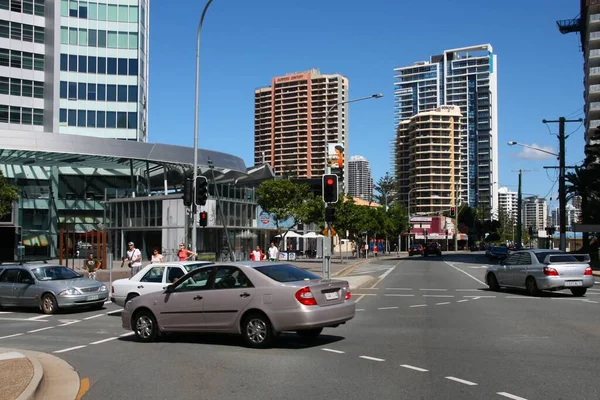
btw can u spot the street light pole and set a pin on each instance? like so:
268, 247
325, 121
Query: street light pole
196, 119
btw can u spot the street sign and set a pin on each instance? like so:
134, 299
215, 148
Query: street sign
331, 230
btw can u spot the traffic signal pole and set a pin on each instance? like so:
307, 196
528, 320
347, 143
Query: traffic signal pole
330, 190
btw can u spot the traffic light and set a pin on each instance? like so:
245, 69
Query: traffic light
452, 212
201, 190
330, 188
188, 192
330, 215
203, 218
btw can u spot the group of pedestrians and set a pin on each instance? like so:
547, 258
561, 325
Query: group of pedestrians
258, 255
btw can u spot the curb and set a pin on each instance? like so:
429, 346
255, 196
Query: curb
38, 374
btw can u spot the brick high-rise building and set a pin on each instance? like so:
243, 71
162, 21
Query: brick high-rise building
289, 122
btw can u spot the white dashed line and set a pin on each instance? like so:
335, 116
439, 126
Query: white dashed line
435, 290
522, 297
511, 396
468, 290
414, 368
41, 329
360, 309
466, 273
105, 340
69, 323
5, 312
480, 297
462, 301
372, 358
397, 288
399, 295
387, 308
438, 295
441, 304
334, 351
365, 294
11, 336
127, 334
69, 349
94, 316
452, 378
419, 305
359, 298
114, 311
589, 301
37, 318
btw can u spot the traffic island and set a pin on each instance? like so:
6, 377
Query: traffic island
20, 375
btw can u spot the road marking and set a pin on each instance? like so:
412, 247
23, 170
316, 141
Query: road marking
452, 378
384, 275
70, 349
397, 288
441, 304
522, 297
20, 319
438, 295
462, 301
359, 298
419, 305
480, 297
11, 336
364, 294
105, 340
360, 309
127, 334
334, 351
370, 288
468, 290
37, 318
69, 323
41, 329
84, 386
5, 312
399, 295
114, 311
94, 316
413, 367
372, 358
511, 396
590, 301
438, 290
387, 308
466, 273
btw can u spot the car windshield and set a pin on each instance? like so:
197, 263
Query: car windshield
191, 267
558, 257
286, 273
54, 273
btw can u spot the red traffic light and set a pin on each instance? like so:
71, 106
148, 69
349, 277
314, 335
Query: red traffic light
329, 181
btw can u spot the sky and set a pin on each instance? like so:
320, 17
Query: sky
246, 43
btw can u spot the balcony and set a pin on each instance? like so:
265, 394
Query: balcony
595, 20
594, 40
594, 76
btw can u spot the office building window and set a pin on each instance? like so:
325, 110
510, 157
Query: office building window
72, 91
27, 89
123, 40
81, 91
132, 120
73, 36
38, 89
111, 119
15, 87
26, 116
4, 29
63, 62
64, 8
122, 66
101, 92
4, 82
91, 119
15, 115
102, 38
112, 66
15, 5
72, 118
62, 116
93, 38
4, 57
133, 14
4, 114
122, 93
112, 12
111, 92
63, 89
92, 64
91, 91
82, 64
73, 10
122, 120
81, 118
93, 11
101, 12
39, 9
21, 115
102, 65
83, 10
101, 119
133, 91
123, 13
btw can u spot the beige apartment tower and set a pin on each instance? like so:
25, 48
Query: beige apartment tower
428, 160
289, 122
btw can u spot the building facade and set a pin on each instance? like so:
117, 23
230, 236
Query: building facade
290, 126
360, 180
508, 204
429, 160
467, 78
535, 213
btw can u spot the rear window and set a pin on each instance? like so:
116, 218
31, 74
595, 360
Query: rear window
286, 273
558, 257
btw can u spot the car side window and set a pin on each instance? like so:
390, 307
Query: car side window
512, 259
154, 275
524, 259
231, 278
173, 274
9, 276
25, 277
198, 280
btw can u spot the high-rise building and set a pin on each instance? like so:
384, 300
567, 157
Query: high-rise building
360, 180
573, 216
467, 78
535, 213
429, 160
508, 204
74, 67
289, 122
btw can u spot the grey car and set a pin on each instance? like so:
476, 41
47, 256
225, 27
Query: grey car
256, 299
48, 287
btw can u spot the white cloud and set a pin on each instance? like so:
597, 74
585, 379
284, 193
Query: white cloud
531, 154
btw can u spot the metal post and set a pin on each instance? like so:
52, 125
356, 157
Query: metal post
519, 213
562, 192
109, 265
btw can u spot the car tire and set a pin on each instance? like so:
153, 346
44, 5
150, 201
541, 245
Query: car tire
578, 292
257, 331
309, 333
493, 282
145, 327
48, 304
531, 287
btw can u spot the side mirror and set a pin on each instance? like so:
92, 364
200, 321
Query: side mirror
170, 288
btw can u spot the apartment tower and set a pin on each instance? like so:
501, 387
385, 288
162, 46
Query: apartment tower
535, 213
508, 204
429, 160
463, 77
360, 180
290, 126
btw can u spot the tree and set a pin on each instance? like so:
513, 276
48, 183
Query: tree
583, 182
8, 195
385, 190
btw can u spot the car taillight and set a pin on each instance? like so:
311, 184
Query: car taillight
348, 294
112, 289
550, 271
305, 296
588, 271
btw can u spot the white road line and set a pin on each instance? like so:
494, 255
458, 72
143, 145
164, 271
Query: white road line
359, 298
41, 329
69, 323
441, 304
466, 273
94, 316
589, 301
387, 308
360, 309
419, 305
437, 290
480, 297
114, 311
461, 381
438, 295
397, 288
69, 349
414, 368
468, 290
11, 336
372, 358
127, 334
105, 340
522, 297
370, 288
399, 295
364, 294
37, 318
334, 351
382, 276
5, 312
511, 396
20, 319
462, 301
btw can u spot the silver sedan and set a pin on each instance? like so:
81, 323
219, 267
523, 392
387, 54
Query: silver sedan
257, 300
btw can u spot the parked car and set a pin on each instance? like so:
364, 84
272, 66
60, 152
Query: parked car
257, 300
432, 248
152, 278
48, 287
537, 270
497, 253
415, 249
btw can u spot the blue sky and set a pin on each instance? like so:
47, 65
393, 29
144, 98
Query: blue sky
245, 43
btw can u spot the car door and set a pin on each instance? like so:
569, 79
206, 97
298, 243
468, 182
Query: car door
504, 271
152, 281
174, 273
183, 308
7, 278
228, 296
24, 289
521, 269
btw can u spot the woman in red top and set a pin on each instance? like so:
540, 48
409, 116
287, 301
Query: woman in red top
183, 254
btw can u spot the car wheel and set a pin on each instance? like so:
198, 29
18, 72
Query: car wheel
310, 333
257, 331
531, 286
578, 292
493, 283
49, 305
145, 326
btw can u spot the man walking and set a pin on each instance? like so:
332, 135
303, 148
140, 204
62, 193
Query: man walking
134, 258
273, 252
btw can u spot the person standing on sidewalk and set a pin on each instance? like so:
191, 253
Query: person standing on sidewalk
273, 252
90, 266
183, 254
134, 258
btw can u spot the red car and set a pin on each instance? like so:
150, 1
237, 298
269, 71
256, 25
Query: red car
415, 249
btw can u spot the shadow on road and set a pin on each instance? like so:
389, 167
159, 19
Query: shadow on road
550, 295
61, 311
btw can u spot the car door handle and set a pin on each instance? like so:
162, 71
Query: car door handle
198, 298
244, 294
140, 287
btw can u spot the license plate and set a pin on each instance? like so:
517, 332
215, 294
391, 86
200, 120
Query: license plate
573, 283
94, 297
332, 296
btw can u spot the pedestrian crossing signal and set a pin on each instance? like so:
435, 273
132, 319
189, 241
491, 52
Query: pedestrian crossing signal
203, 218
452, 212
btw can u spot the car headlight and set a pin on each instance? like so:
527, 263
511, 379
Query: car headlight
102, 288
68, 292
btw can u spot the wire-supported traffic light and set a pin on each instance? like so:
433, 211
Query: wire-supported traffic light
452, 212
188, 192
201, 190
330, 188
203, 219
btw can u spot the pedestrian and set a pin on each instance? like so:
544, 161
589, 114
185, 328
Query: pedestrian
273, 252
375, 249
183, 254
90, 266
134, 258
156, 257
257, 254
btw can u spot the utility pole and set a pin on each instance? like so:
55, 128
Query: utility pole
562, 190
520, 212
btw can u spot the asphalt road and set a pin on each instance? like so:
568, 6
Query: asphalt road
425, 329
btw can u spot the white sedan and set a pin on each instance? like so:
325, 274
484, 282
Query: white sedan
152, 278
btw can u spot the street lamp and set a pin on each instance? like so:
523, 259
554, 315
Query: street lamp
512, 143
196, 118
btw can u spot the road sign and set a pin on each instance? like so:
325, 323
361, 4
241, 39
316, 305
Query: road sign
331, 230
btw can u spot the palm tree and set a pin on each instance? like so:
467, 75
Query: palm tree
584, 183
